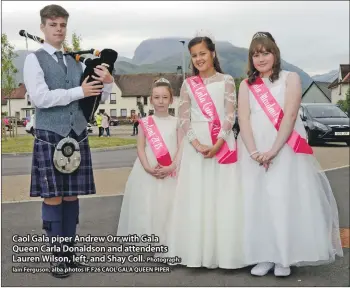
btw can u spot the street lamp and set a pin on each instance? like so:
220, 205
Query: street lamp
183, 60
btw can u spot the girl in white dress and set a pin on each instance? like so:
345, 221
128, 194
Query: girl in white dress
205, 227
291, 216
150, 186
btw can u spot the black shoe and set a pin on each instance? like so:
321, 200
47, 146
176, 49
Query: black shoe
59, 270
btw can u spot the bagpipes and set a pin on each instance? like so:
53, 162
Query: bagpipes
106, 57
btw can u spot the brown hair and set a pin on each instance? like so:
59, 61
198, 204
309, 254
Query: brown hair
211, 47
51, 12
261, 41
163, 84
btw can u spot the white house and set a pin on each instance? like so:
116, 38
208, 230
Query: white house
340, 86
317, 92
19, 103
130, 89
127, 91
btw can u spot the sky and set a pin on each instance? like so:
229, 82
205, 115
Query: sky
311, 35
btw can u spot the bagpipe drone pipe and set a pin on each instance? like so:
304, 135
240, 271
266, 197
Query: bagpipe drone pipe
106, 57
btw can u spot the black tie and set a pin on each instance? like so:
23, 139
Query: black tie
59, 55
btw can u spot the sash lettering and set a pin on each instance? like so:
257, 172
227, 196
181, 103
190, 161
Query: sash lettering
207, 106
275, 113
156, 141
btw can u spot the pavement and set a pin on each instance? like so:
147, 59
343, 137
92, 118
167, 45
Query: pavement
99, 216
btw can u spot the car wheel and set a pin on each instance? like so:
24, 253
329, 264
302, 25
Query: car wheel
309, 138
111, 123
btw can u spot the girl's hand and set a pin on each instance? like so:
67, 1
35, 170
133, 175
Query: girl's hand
203, 149
164, 171
151, 171
211, 152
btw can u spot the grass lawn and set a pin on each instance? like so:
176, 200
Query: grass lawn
25, 143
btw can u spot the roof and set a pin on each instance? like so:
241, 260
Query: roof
323, 86
344, 73
344, 70
17, 93
133, 85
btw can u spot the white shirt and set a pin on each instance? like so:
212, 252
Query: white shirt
39, 92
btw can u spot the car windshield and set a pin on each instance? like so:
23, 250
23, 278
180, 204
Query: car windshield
326, 111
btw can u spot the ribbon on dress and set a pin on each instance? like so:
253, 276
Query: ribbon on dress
275, 113
207, 106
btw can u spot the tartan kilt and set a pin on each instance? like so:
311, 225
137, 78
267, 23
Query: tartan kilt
47, 181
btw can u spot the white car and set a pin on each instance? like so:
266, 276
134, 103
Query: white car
31, 125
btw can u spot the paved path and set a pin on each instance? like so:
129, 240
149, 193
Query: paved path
99, 216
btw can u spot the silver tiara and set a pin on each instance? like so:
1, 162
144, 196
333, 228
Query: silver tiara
259, 35
205, 33
162, 80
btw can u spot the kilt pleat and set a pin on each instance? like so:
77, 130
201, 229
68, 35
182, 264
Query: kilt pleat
47, 181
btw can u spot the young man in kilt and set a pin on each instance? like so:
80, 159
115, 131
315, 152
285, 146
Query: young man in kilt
53, 83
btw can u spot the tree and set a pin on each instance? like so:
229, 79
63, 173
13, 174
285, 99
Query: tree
76, 42
238, 82
140, 106
8, 69
345, 104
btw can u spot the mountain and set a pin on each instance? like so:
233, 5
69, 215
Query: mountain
165, 55
328, 77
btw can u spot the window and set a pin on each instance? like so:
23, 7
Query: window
27, 113
138, 99
132, 111
113, 98
171, 111
29, 103
113, 112
145, 100
123, 112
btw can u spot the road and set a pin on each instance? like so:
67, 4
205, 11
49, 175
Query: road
21, 165
329, 156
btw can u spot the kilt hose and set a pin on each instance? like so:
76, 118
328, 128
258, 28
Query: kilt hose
47, 182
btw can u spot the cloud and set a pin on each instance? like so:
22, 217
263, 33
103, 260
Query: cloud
311, 35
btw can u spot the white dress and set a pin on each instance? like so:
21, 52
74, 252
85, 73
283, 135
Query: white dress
146, 199
291, 216
205, 228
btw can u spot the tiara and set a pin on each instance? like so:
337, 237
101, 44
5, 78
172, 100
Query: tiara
259, 35
162, 80
205, 33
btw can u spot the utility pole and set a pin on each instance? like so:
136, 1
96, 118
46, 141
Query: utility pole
183, 60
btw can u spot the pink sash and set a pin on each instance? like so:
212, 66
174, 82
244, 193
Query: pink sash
155, 140
275, 113
207, 106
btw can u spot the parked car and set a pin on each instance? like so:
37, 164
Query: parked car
113, 121
30, 126
325, 122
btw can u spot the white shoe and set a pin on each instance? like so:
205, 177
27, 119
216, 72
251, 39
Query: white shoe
281, 271
262, 269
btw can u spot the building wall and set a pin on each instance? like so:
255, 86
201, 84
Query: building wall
314, 95
339, 92
18, 108
125, 105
